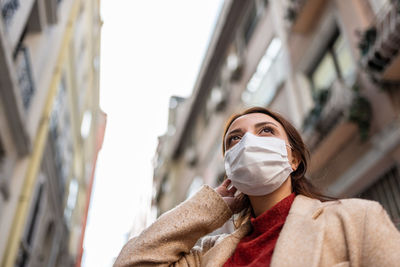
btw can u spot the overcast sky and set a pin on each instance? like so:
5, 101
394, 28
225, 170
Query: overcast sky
150, 50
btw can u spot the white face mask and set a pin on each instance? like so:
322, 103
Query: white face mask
257, 165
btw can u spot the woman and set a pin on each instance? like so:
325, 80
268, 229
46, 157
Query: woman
282, 220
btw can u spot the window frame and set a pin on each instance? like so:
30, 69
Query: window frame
328, 49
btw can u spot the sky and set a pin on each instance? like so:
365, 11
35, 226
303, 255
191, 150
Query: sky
150, 50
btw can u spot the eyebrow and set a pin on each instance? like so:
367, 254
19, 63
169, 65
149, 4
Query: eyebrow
263, 123
257, 125
238, 130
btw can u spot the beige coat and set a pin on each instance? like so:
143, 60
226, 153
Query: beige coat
349, 232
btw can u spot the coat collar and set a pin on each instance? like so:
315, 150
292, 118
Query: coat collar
299, 243
224, 247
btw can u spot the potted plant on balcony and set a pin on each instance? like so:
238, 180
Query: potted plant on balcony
360, 113
320, 98
367, 40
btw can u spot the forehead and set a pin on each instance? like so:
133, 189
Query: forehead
251, 119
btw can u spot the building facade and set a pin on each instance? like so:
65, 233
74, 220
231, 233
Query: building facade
330, 67
51, 128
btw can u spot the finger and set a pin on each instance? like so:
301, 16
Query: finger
232, 190
226, 183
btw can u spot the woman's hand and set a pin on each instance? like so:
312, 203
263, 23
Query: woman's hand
235, 203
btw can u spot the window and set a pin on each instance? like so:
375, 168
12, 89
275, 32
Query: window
335, 63
24, 74
344, 58
47, 245
271, 71
60, 135
71, 201
86, 124
8, 9
25, 249
165, 187
325, 73
216, 100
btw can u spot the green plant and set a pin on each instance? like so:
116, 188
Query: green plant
367, 40
360, 113
320, 99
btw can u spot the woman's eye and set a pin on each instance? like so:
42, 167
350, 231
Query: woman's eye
234, 138
267, 130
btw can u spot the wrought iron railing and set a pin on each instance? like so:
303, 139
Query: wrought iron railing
57, 141
60, 137
8, 9
332, 105
25, 77
380, 43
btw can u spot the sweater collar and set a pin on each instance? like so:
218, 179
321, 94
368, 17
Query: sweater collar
275, 215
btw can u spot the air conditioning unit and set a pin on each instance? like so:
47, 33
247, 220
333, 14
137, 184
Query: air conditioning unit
218, 98
235, 65
191, 156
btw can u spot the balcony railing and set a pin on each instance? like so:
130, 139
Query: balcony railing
302, 13
60, 138
380, 43
25, 77
8, 9
332, 106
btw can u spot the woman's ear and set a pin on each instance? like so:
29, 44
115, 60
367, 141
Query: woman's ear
295, 161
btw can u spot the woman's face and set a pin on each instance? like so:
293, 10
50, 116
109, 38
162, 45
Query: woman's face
261, 125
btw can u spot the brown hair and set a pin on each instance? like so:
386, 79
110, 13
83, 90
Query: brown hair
300, 184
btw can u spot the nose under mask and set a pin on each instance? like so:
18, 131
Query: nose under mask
257, 165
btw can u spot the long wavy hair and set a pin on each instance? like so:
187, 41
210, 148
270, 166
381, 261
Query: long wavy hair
300, 184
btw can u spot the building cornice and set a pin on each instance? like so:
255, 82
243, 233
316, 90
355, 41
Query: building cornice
231, 14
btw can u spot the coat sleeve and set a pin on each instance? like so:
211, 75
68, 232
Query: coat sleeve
381, 239
170, 239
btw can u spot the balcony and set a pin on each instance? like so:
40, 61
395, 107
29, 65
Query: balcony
338, 112
380, 43
25, 77
8, 9
303, 13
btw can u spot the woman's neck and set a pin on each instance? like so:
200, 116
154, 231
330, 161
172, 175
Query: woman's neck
260, 204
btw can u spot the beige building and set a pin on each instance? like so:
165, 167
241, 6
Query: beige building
329, 66
51, 128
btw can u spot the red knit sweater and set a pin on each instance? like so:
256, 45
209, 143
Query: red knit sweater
257, 247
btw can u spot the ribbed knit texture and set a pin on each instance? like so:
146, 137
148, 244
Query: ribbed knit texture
257, 247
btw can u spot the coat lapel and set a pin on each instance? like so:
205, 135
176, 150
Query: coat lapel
300, 241
224, 248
